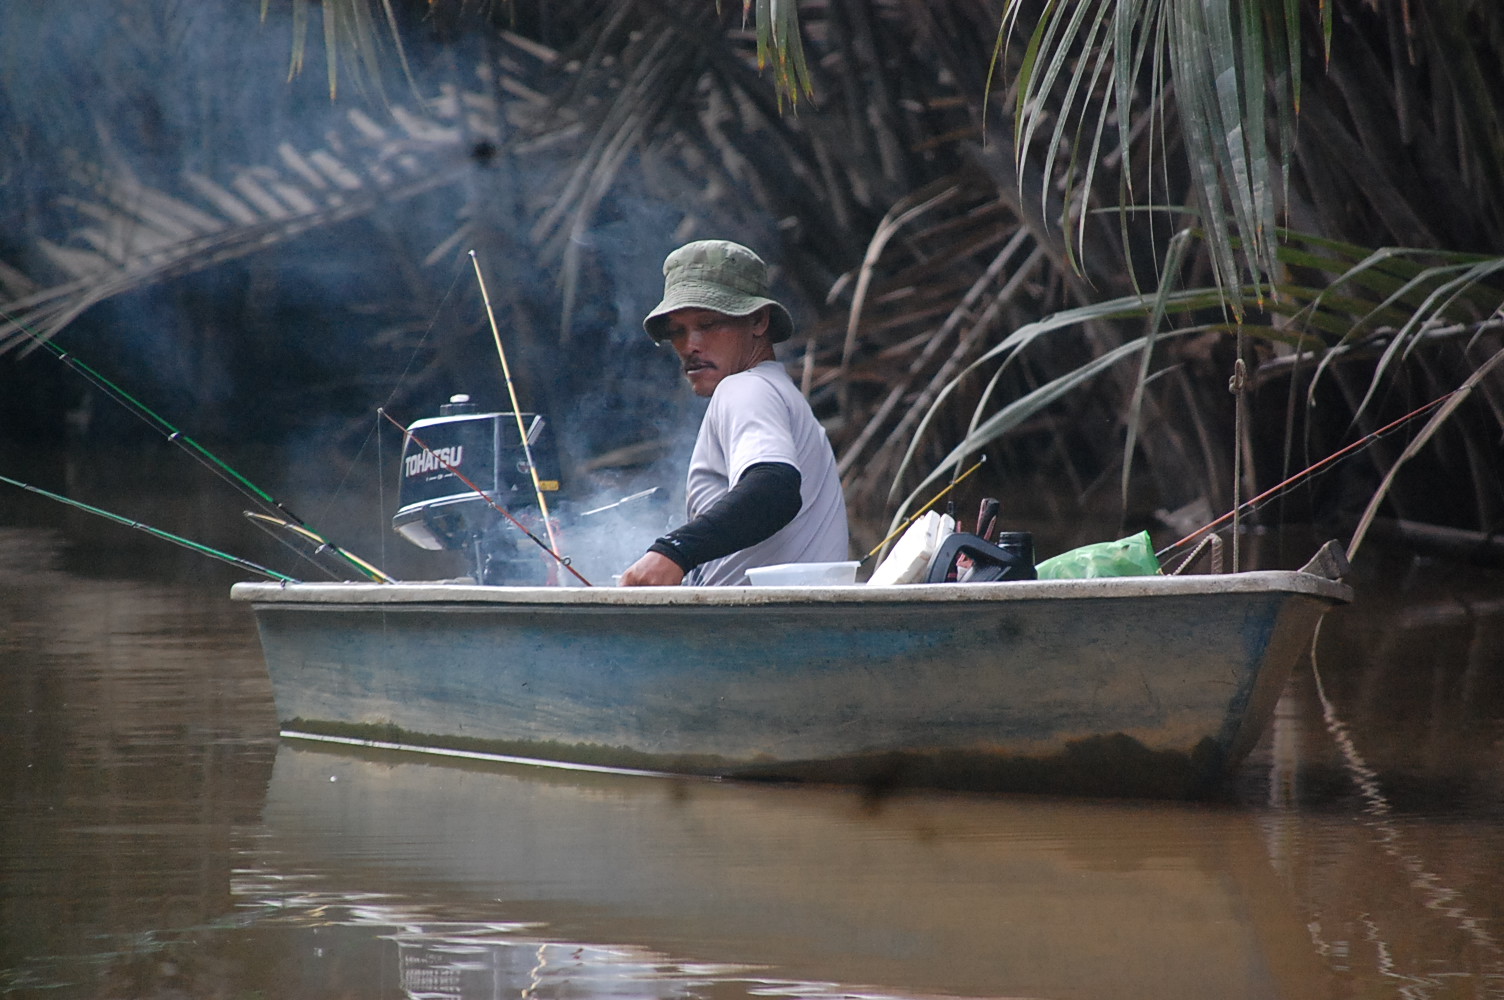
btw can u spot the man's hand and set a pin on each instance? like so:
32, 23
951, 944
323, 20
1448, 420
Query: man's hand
653, 570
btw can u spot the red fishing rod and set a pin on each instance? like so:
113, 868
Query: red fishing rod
1274, 491
562, 561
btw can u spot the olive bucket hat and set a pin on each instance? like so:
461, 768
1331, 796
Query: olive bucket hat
718, 275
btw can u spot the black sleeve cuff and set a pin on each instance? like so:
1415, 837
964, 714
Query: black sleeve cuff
665, 546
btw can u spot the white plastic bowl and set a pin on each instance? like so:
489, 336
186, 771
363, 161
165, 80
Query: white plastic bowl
826, 574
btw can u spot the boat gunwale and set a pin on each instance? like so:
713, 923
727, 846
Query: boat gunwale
448, 594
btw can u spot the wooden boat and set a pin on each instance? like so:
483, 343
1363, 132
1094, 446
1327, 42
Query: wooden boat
1150, 686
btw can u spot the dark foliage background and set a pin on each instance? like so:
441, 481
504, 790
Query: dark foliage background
267, 263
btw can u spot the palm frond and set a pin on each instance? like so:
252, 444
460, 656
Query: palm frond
1207, 60
1427, 433
1016, 412
1394, 302
132, 235
779, 45
351, 38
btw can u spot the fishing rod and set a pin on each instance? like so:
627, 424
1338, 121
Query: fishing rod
186, 543
641, 495
1250, 505
506, 372
932, 501
272, 525
485, 496
201, 454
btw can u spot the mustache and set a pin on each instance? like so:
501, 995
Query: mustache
696, 364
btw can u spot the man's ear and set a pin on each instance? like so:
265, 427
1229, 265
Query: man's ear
759, 321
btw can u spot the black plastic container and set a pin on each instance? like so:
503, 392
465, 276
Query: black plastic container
1012, 558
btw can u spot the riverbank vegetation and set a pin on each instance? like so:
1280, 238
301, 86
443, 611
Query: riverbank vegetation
1053, 242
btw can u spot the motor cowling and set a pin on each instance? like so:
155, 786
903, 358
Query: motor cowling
448, 460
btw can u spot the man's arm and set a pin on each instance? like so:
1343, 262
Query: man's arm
764, 500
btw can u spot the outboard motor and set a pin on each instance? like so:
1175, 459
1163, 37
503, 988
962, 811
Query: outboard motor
439, 510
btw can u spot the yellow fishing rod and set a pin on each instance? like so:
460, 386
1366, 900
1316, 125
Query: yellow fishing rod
201, 454
271, 525
918, 513
527, 450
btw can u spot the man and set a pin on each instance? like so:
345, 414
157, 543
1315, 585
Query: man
762, 486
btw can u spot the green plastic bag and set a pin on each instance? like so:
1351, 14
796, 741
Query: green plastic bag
1131, 556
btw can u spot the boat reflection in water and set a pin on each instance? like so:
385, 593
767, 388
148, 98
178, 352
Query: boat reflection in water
493, 880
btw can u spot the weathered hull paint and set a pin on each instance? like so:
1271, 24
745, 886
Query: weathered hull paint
1141, 686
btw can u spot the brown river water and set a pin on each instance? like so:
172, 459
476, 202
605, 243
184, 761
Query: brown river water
159, 840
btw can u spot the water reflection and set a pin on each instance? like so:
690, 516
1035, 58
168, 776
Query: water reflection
1402, 707
1385, 768
919, 893
158, 840
134, 740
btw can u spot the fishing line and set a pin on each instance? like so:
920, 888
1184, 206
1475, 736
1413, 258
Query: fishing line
381, 530
1274, 491
199, 453
412, 360
486, 497
186, 543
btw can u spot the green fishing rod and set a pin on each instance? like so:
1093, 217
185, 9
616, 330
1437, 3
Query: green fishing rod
186, 543
201, 454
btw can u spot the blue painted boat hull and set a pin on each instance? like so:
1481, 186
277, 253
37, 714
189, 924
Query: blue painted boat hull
1142, 686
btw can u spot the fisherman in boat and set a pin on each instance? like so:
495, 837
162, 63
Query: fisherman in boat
762, 487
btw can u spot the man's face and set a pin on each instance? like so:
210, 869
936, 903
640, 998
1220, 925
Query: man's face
712, 345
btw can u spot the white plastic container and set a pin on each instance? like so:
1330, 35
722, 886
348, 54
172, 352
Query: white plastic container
909, 559
826, 574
